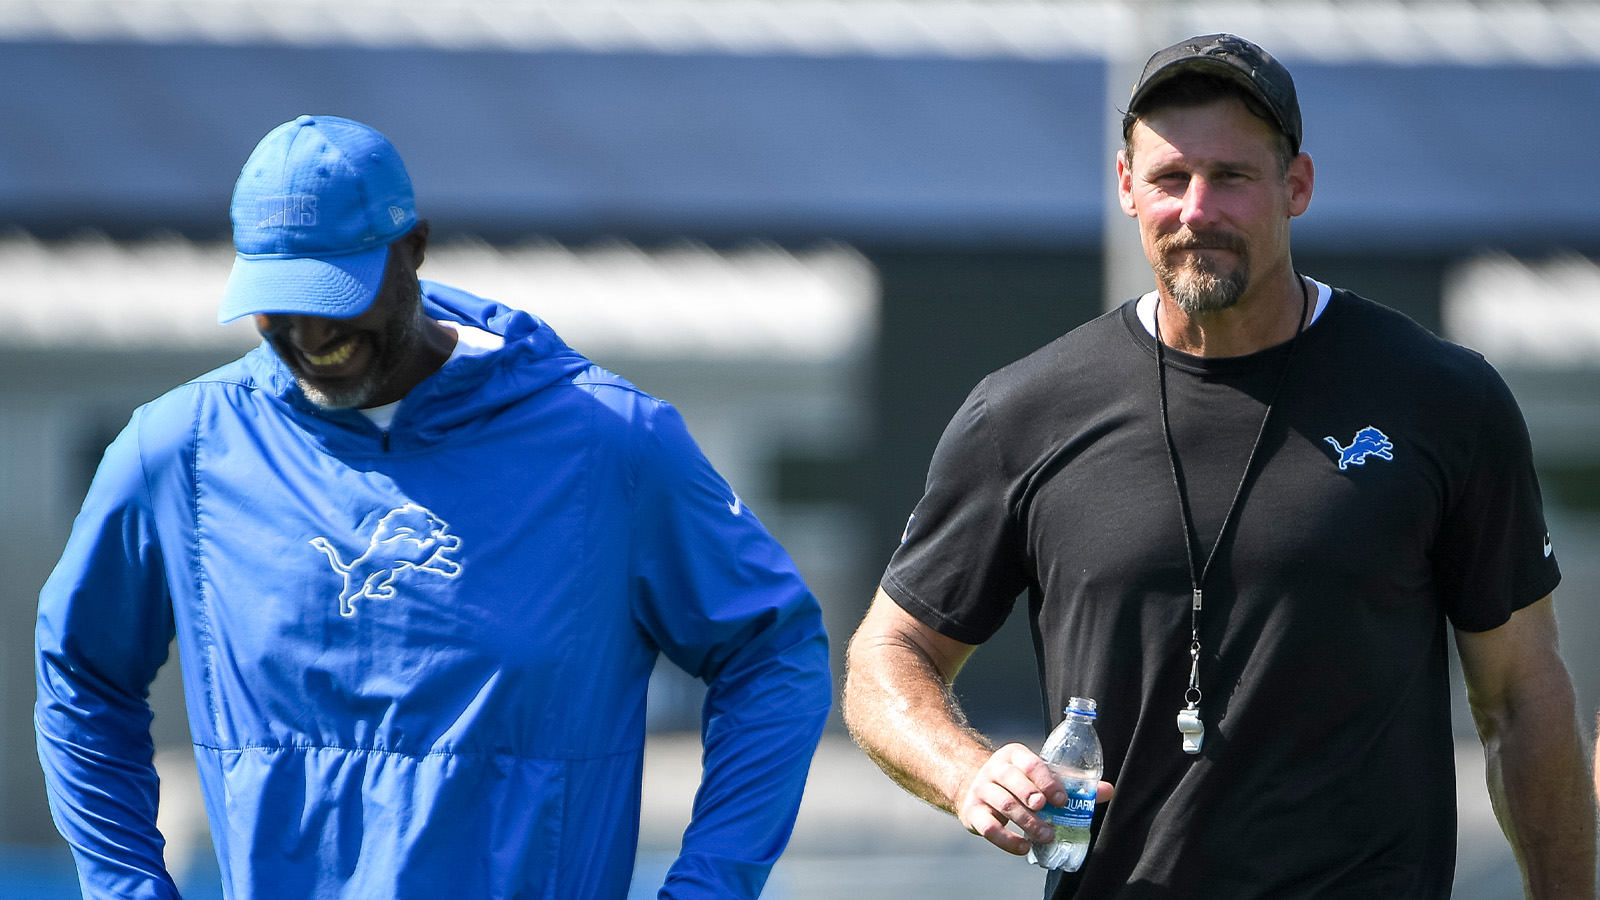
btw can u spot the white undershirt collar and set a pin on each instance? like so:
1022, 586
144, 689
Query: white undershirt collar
1147, 306
470, 341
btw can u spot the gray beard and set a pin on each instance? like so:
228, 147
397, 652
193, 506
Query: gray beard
401, 341
1198, 291
353, 397
1198, 286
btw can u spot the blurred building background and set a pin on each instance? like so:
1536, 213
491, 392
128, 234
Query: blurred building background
811, 224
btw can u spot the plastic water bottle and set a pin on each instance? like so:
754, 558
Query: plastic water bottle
1073, 753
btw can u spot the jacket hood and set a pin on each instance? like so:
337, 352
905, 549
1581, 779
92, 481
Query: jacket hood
464, 391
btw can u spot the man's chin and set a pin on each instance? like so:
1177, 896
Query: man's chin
333, 397
1198, 290
1204, 302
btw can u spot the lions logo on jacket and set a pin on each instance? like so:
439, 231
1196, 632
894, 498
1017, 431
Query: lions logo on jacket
409, 538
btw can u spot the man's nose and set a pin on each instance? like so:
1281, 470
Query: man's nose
1198, 200
306, 332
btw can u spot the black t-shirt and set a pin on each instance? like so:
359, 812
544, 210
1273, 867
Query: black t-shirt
1393, 491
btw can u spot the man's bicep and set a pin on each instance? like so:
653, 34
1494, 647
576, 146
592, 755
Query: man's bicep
888, 626
103, 616
708, 583
962, 559
1522, 651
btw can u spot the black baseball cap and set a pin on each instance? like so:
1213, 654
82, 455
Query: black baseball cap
1235, 59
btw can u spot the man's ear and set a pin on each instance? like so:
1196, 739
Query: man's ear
1302, 175
415, 242
1125, 184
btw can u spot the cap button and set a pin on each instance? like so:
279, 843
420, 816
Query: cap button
304, 120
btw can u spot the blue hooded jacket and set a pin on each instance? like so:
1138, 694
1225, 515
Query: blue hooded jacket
416, 662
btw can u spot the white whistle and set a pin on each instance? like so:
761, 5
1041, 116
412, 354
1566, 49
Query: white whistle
1192, 729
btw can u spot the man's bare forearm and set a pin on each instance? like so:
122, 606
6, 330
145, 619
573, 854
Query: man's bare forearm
1539, 783
900, 710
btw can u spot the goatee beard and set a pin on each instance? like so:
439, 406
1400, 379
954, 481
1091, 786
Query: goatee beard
1199, 284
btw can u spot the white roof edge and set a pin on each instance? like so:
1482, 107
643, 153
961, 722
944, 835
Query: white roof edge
1526, 313
686, 301
1398, 31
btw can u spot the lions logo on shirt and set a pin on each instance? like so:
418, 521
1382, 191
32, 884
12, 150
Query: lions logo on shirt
407, 539
1368, 442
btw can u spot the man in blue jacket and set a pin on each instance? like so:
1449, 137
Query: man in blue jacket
420, 557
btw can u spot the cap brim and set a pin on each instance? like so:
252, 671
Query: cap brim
334, 287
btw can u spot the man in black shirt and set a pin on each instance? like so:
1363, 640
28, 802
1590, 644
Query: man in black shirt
1244, 509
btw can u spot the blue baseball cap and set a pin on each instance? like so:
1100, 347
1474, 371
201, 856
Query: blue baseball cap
314, 211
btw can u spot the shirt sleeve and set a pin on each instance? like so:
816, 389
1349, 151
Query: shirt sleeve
1493, 555
103, 630
725, 603
958, 568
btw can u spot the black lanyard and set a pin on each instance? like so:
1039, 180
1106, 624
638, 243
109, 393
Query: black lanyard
1189, 724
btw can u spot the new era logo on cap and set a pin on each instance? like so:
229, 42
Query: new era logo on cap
397, 214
